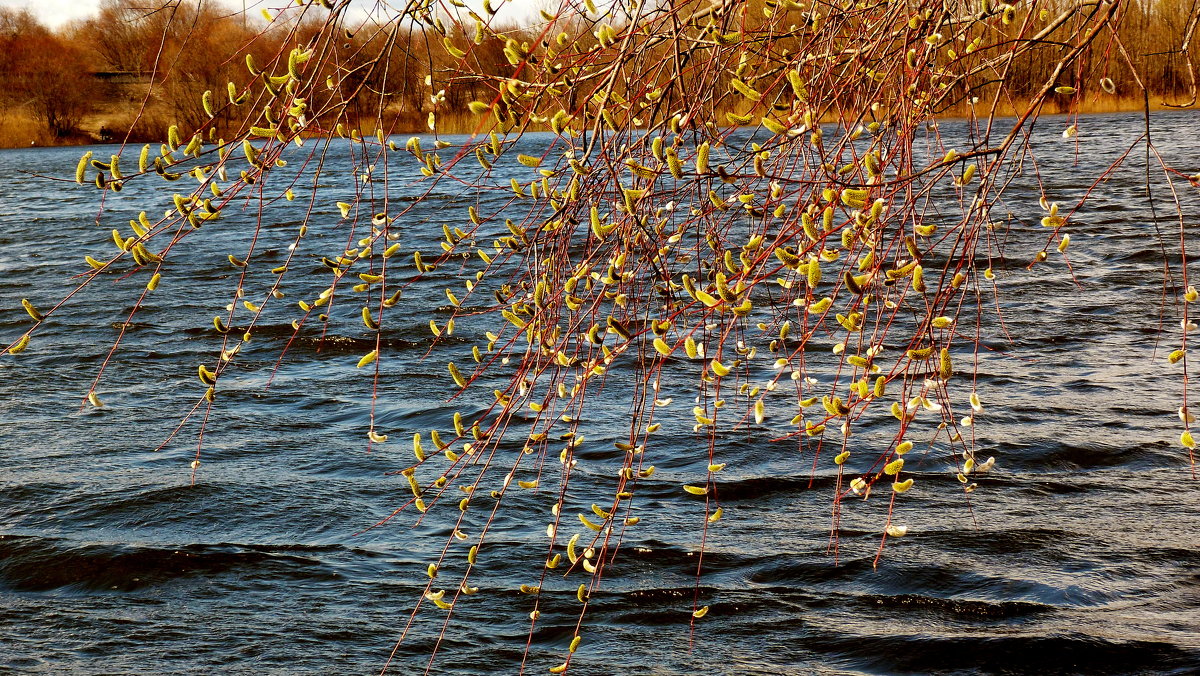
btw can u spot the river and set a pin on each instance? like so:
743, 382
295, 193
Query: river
1079, 553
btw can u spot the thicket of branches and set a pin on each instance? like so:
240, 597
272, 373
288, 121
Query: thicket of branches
44, 75
644, 236
189, 46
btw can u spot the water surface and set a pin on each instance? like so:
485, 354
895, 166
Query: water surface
1078, 554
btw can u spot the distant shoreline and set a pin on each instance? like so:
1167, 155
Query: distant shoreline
1102, 106
18, 132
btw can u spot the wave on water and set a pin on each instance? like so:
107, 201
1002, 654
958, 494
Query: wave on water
30, 563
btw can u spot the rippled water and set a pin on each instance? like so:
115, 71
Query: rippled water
1078, 554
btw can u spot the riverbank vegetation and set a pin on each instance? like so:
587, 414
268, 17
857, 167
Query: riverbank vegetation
132, 71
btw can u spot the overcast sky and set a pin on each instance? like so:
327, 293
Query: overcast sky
55, 13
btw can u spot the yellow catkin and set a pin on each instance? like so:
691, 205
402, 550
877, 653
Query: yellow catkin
81, 168
20, 345
945, 366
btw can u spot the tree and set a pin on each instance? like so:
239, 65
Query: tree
649, 237
123, 34
48, 76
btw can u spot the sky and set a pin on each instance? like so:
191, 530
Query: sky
55, 13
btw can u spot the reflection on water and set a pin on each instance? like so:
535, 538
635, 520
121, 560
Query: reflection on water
1077, 555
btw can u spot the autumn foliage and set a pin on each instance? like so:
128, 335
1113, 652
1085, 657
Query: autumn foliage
97, 74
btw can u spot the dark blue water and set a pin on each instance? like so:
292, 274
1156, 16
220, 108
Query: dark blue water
1077, 554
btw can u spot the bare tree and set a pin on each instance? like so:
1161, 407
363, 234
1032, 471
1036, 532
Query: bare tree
45, 74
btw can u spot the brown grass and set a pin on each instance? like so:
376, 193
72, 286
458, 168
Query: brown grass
20, 131
1088, 106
